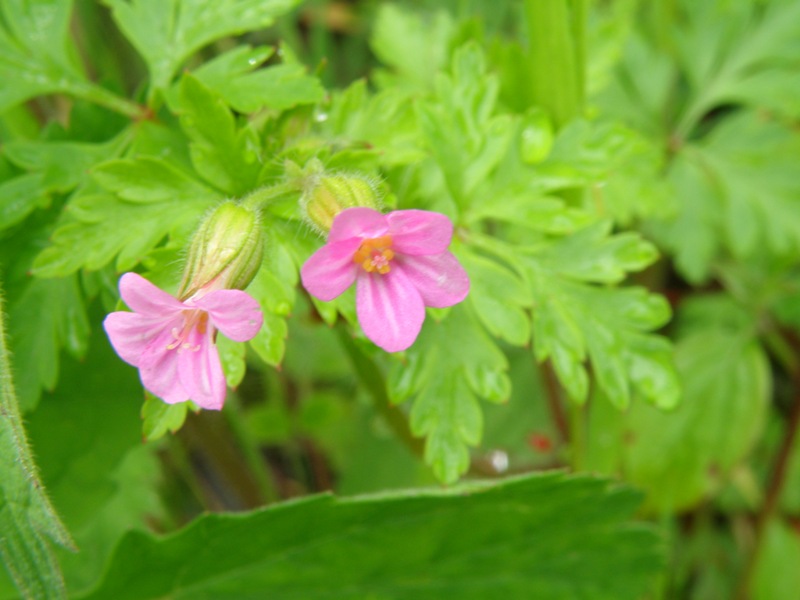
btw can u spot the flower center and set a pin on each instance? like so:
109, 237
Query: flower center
191, 319
375, 254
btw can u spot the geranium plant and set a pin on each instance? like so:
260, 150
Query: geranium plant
399, 300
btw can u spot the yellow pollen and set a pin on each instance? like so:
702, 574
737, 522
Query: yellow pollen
375, 254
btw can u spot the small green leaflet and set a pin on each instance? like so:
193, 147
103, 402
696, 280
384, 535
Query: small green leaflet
236, 77
224, 155
516, 538
445, 386
158, 417
574, 320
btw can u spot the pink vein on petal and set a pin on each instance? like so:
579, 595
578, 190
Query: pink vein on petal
200, 371
389, 309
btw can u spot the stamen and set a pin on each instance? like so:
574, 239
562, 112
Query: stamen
191, 319
375, 254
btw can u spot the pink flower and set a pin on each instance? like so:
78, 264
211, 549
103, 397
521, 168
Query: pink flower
172, 342
400, 264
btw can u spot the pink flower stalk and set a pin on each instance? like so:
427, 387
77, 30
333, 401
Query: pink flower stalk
399, 263
171, 341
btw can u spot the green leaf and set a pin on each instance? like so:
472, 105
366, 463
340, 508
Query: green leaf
736, 190
682, 456
774, 572
158, 417
446, 385
27, 519
274, 288
226, 156
63, 165
82, 434
414, 45
467, 141
36, 53
729, 50
236, 77
521, 542
54, 167
573, 320
385, 121
167, 32
45, 316
19, 197
154, 199
499, 297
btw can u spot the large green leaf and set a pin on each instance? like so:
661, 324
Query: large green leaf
167, 32
100, 477
36, 53
681, 456
737, 190
52, 167
742, 52
153, 198
526, 538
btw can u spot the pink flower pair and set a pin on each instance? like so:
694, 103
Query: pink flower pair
172, 342
399, 263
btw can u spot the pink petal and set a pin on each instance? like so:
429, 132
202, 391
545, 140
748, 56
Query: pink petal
331, 270
389, 309
419, 231
200, 371
439, 278
131, 334
145, 298
357, 222
160, 378
234, 312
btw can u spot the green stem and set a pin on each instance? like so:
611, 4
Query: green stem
779, 472
101, 96
556, 56
370, 376
267, 195
578, 435
250, 448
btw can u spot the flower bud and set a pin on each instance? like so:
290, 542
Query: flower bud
326, 196
225, 252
